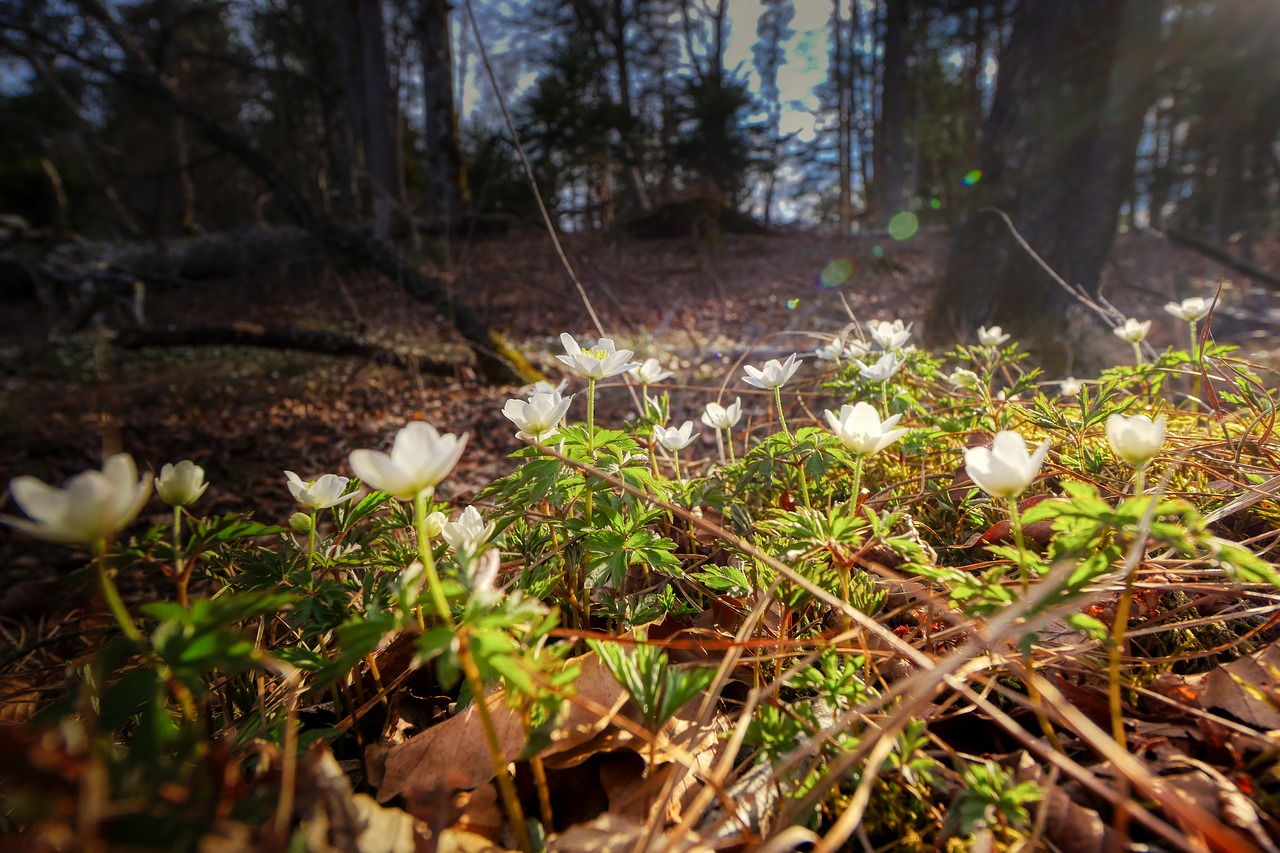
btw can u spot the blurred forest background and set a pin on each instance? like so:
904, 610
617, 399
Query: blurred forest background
373, 128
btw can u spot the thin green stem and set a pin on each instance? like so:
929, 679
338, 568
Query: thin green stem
777, 397
720, 446
728, 434
1119, 628
311, 545
111, 595
1015, 520
856, 497
675, 463
428, 559
1137, 353
181, 576
1196, 357
591, 414
1140, 479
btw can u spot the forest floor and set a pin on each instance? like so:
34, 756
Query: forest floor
703, 308
247, 414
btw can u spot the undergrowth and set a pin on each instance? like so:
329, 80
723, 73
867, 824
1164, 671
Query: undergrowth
892, 625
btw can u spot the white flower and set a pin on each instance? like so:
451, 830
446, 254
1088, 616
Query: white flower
1004, 469
1191, 309
434, 523
856, 350
860, 429
675, 439
468, 533
420, 458
1137, 439
542, 386
884, 369
89, 508
723, 417
774, 374
1070, 386
318, 494
539, 417
1133, 330
598, 362
993, 337
650, 372
181, 484
962, 378
830, 351
889, 335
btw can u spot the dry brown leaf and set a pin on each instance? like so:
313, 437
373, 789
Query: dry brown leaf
453, 755
609, 833
1247, 689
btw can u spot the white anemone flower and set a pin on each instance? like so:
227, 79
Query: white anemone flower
773, 374
88, 509
717, 416
599, 362
539, 417
860, 429
1070, 386
962, 378
1135, 439
884, 368
181, 484
420, 458
993, 337
889, 335
321, 493
833, 350
649, 372
1191, 309
1006, 468
675, 439
856, 350
468, 533
1133, 331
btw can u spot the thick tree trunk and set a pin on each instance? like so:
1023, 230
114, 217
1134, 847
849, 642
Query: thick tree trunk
890, 188
382, 157
449, 197
1059, 150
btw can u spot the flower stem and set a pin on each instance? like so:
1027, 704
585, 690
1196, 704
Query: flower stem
428, 559
591, 415
728, 434
675, 463
777, 397
720, 446
1196, 357
1137, 353
311, 545
506, 787
181, 576
1140, 479
1015, 520
111, 595
856, 497
1118, 630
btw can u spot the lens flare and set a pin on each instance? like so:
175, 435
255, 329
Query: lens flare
971, 178
836, 273
792, 303
903, 226
935, 204
877, 250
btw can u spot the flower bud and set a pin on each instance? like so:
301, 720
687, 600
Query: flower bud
300, 522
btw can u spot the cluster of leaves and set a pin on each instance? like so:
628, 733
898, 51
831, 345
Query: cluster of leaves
822, 582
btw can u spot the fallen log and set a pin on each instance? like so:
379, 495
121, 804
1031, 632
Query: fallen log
283, 337
1222, 256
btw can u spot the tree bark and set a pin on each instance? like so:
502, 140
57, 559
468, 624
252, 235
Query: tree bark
449, 197
1059, 150
890, 180
382, 158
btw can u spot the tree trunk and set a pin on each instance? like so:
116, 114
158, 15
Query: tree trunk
448, 196
382, 159
341, 20
890, 179
1059, 150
